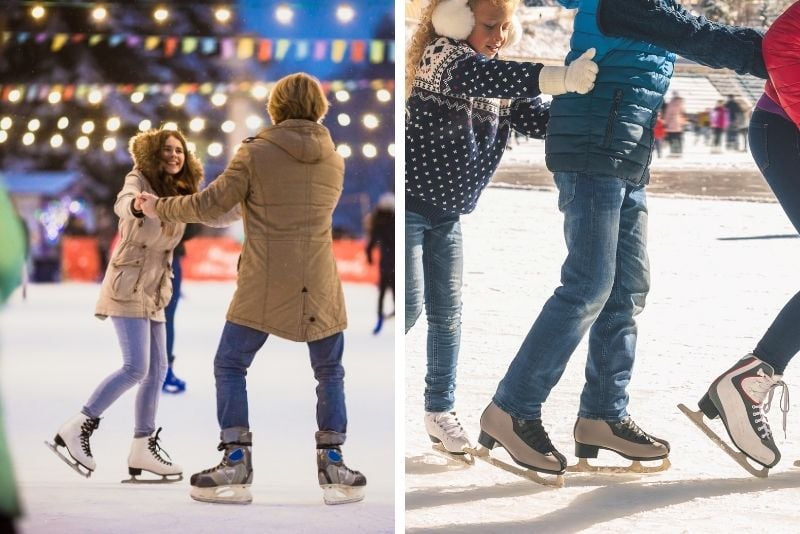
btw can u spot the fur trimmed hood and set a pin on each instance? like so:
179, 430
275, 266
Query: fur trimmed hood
144, 149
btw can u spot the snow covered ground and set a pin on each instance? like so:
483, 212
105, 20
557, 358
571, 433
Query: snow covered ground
721, 270
54, 352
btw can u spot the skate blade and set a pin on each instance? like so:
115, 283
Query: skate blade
165, 479
465, 458
342, 494
636, 467
482, 453
236, 494
739, 457
69, 461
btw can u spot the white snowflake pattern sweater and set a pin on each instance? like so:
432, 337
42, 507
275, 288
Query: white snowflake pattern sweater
459, 116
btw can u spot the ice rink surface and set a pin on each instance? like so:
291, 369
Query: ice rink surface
720, 272
54, 353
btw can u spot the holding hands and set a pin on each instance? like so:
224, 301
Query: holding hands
578, 77
147, 204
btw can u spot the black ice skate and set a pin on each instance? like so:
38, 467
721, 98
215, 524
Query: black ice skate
228, 482
526, 441
741, 396
339, 483
146, 455
74, 437
623, 437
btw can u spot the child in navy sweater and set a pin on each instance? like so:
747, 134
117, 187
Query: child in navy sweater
462, 103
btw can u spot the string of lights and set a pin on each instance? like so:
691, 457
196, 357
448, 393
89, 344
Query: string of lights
100, 12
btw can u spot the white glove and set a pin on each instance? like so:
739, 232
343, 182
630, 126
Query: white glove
578, 77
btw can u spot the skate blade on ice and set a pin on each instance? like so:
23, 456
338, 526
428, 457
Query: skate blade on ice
465, 457
234, 494
636, 467
165, 479
85, 472
739, 457
482, 453
341, 493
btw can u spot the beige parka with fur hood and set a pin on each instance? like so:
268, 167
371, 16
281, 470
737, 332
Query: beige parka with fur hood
288, 180
138, 279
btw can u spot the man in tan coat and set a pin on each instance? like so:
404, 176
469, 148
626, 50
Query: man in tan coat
287, 181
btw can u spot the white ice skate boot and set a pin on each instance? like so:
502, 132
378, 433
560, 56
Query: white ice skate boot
74, 437
446, 433
741, 396
228, 482
146, 455
339, 483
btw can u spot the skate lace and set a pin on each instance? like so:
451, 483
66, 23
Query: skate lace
88, 426
533, 433
767, 387
631, 431
224, 462
450, 425
156, 450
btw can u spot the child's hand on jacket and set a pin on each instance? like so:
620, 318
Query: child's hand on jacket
578, 77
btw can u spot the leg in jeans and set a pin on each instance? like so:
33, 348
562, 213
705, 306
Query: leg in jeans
150, 389
326, 360
775, 145
612, 337
237, 348
435, 259
133, 334
592, 208
169, 311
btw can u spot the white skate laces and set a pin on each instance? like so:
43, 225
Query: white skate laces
450, 425
762, 390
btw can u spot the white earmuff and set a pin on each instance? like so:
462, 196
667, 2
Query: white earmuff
454, 19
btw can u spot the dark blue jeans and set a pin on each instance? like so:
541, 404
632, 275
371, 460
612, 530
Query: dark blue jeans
604, 282
238, 347
775, 146
169, 311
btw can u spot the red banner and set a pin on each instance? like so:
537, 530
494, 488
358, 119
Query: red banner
215, 258
80, 259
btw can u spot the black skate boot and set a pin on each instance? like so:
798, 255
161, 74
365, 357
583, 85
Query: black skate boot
339, 483
741, 397
623, 437
526, 441
228, 482
74, 437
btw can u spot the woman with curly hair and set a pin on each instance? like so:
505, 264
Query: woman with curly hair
136, 288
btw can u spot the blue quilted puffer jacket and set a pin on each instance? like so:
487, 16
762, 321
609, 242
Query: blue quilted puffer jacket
609, 131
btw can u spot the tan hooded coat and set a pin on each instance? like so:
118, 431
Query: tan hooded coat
288, 180
138, 279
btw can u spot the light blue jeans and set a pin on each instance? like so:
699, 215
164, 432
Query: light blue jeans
604, 282
144, 362
237, 349
434, 276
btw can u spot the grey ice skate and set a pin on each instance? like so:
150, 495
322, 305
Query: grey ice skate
74, 437
741, 397
147, 455
623, 437
339, 483
526, 441
228, 482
